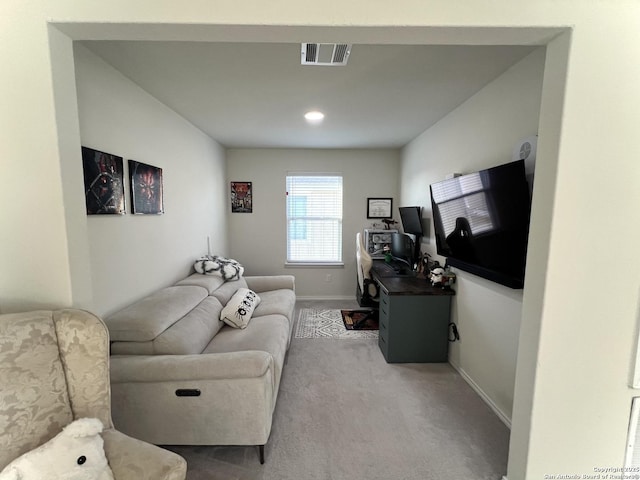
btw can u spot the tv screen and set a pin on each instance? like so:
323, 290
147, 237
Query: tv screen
481, 222
411, 218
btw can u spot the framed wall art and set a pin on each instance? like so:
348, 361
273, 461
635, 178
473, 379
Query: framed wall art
103, 182
146, 189
241, 197
379, 207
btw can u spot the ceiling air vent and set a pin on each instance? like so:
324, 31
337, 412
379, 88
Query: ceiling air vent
325, 53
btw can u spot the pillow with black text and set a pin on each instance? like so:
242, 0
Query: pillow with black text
239, 309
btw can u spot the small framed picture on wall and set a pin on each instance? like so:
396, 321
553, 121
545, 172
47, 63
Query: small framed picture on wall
103, 182
379, 207
146, 188
241, 197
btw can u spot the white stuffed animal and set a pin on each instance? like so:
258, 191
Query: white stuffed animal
76, 453
227, 268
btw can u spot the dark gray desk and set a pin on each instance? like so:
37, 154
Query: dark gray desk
414, 317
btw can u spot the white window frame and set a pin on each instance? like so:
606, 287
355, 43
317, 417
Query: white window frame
316, 219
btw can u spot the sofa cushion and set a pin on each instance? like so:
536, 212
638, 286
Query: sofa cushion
238, 311
226, 291
266, 283
277, 301
193, 332
205, 281
149, 317
132, 348
188, 336
269, 334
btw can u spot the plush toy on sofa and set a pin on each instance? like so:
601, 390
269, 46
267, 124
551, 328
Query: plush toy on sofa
76, 453
227, 268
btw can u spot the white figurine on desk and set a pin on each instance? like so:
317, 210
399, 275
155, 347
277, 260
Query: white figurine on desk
441, 278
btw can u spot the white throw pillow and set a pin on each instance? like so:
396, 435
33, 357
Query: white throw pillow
76, 452
238, 310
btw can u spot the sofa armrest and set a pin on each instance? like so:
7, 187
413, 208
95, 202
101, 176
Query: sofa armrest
176, 368
267, 283
132, 459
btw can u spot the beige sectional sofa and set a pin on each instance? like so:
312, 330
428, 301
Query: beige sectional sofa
180, 376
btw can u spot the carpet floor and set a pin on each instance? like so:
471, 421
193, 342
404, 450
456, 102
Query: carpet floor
343, 413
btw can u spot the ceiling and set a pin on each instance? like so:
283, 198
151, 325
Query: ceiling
254, 95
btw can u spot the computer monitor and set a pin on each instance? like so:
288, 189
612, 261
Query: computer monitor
411, 218
403, 249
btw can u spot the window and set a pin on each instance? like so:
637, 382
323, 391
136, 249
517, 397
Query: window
314, 219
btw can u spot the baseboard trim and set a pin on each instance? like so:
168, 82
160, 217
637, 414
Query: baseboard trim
321, 297
501, 415
504, 477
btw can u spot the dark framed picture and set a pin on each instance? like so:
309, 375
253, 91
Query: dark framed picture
241, 197
103, 182
379, 207
146, 188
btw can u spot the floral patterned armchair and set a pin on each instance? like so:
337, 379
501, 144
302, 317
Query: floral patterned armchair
54, 368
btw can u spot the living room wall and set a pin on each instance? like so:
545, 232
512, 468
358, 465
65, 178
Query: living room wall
258, 239
480, 133
132, 255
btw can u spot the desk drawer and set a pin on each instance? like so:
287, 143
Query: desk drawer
384, 298
383, 344
384, 311
383, 317
384, 305
383, 329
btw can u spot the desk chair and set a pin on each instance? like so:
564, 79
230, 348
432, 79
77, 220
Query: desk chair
367, 292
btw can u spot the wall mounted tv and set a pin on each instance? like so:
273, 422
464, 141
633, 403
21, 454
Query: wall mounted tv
481, 222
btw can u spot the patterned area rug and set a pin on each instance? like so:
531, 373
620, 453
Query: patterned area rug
314, 323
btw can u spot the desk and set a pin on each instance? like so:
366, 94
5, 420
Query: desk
414, 317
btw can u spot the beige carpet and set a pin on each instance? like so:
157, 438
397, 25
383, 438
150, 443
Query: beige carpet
343, 413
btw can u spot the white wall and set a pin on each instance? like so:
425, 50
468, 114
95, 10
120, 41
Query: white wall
258, 239
571, 407
132, 255
480, 133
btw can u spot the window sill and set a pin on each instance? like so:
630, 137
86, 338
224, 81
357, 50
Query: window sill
314, 265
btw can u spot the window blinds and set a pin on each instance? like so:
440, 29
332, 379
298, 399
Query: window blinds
314, 219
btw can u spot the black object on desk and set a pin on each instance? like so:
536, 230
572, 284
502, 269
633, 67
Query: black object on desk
392, 269
413, 317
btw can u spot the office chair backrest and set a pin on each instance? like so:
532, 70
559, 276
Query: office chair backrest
363, 264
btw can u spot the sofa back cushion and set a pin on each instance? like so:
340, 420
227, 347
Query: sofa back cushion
226, 291
211, 283
193, 332
146, 319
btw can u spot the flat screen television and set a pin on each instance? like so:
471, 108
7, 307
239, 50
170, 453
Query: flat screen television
481, 222
411, 218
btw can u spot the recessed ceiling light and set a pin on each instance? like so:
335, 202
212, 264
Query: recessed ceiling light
314, 116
